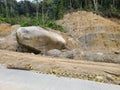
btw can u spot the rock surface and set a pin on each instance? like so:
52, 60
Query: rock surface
69, 54
8, 39
100, 41
54, 53
39, 39
9, 42
63, 53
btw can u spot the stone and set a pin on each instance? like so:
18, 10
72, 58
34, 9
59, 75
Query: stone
108, 57
69, 54
109, 77
54, 52
39, 40
9, 42
8, 37
99, 78
117, 52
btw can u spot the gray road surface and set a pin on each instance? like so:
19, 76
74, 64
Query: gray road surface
26, 80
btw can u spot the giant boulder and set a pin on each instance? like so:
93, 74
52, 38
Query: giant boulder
38, 39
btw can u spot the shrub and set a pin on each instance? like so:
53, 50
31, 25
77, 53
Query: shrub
53, 25
32, 21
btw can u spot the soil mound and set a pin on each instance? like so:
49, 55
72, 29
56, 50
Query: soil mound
92, 31
7, 28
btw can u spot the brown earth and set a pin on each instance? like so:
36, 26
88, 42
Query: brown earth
101, 72
79, 21
100, 33
117, 20
7, 28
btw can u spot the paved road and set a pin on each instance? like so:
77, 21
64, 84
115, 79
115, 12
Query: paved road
26, 80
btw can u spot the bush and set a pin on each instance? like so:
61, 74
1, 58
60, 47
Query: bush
53, 25
32, 21
2, 19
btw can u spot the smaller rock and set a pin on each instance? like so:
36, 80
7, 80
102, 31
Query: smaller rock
54, 52
117, 52
69, 54
32, 54
99, 78
109, 77
20, 66
99, 53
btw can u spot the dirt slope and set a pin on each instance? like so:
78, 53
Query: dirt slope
7, 28
92, 31
77, 22
102, 72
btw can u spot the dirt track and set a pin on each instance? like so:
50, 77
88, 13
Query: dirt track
101, 72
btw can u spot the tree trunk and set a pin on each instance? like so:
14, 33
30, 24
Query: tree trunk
11, 8
95, 2
113, 2
6, 8
37, 8
70, 4
43, 17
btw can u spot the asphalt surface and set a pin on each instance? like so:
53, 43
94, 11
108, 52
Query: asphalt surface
27, 80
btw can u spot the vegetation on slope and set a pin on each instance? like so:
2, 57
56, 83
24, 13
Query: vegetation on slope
45, 12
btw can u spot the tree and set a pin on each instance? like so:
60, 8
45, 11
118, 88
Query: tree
43, 16
37, 8
6, 8
55, 9
95, 5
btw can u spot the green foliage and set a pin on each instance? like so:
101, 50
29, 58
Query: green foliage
44, 13
2, 19
53, 25
30, 22
55, 9
33, 21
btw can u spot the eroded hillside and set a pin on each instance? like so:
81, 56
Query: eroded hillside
92, 31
